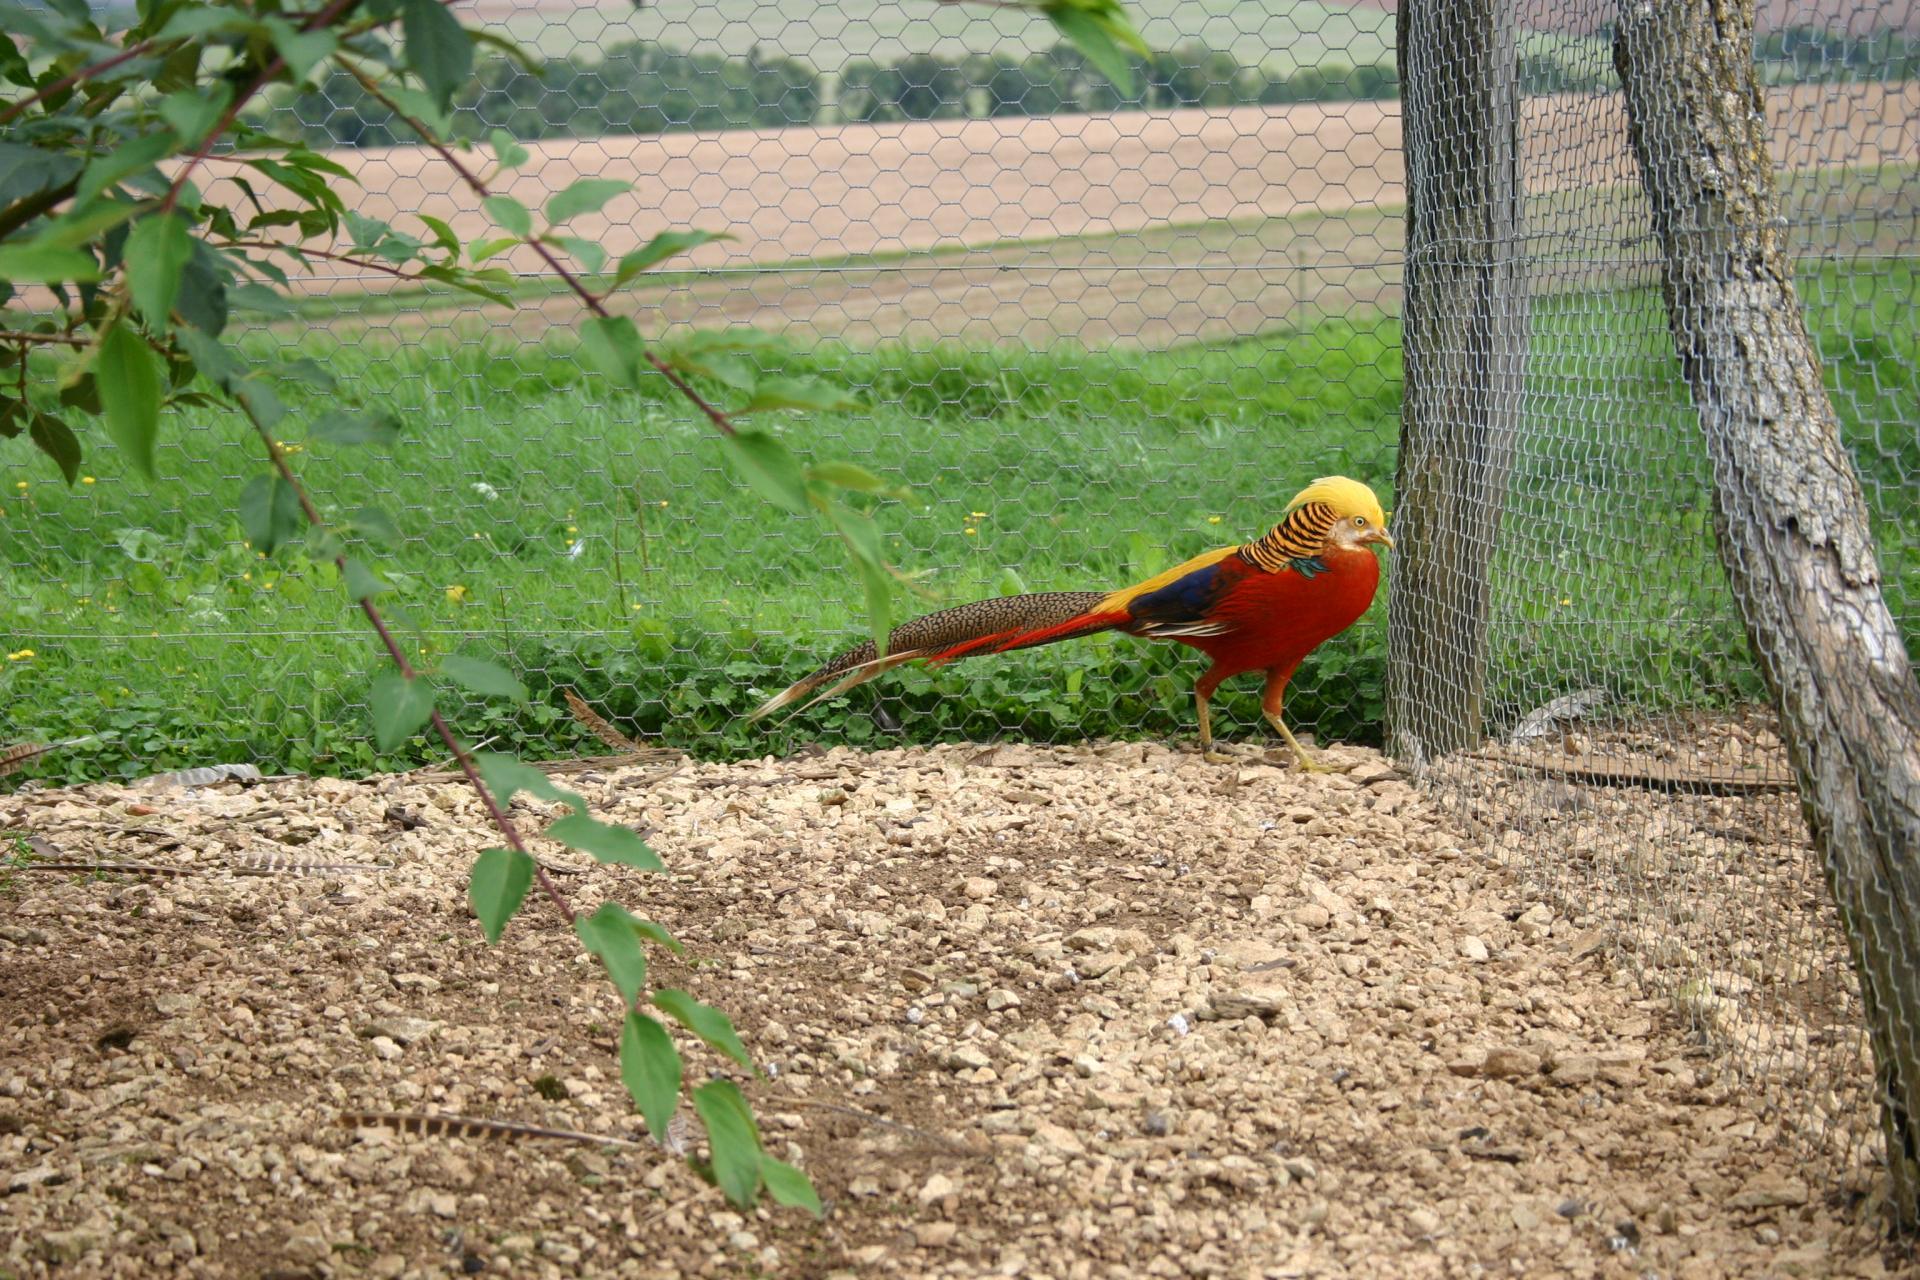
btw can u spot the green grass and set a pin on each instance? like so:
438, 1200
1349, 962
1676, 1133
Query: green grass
154, 626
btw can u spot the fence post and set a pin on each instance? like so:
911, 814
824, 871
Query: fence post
1789, 511
1465, 342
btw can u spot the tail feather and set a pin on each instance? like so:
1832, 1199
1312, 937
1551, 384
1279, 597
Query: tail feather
998, 625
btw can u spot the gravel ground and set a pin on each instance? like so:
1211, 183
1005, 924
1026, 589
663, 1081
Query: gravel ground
1109, 1011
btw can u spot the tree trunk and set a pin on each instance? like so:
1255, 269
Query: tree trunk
1789, 511
1465, 342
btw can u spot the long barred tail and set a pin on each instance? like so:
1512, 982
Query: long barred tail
985, 626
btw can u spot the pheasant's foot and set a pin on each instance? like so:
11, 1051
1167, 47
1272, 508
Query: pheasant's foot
1307, 763
1216, 757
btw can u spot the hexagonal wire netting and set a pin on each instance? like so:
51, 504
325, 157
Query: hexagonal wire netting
1633, 774
1096, 332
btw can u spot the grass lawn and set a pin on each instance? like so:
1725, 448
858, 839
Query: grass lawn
595, 539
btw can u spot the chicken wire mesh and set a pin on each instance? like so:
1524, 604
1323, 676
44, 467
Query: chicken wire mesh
1096, 328
1631, 770
1096, 331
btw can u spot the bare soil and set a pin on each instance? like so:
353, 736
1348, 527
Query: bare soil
1142, 227
1107, 1011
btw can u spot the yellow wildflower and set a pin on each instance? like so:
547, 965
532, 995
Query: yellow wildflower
86, 479
970, 532
571, 529
456, 593
20, 484
1213, 519
979, 515
20, 655
1566, 600
247, 576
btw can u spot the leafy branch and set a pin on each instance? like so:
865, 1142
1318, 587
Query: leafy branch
133, 272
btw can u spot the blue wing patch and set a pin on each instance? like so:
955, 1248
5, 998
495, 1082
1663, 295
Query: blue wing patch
1185, 599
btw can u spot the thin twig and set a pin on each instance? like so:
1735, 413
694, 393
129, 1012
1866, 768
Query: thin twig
594, 302
301, 251
323, 18
57, 339
73, 78
501, 821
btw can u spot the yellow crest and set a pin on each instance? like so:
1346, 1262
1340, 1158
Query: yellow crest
1348, 498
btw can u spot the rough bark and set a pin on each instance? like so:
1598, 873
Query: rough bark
1791, 517
1465, 346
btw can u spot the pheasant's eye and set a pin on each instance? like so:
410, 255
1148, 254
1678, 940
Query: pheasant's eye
1359, 522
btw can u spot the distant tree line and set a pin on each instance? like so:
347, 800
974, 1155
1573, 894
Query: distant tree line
642, 88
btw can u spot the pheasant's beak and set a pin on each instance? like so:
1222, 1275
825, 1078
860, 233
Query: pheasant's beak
1380, 535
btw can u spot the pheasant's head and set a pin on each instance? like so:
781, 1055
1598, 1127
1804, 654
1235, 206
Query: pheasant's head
1358, 519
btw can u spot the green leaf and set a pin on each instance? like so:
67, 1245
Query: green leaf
656, 933
845, 475
506, 776
507, 213
497, 887
859, 531
400, 707
128, 374
438, 48
192, 112
372, 522
797, 393
704, 1021
607, 934
125, 161
879, 593
483, 678
606, 841
481, 250
85, 223
270, 512
733, 1139
650, 1068
354, 426
45, 264
157, 253
261, 400
769, 468
304, 50
443, 235
362, 581
591, 256
1094, 38
584, 196
612, 346
788, 1186
56, 439
507, 152
660, 248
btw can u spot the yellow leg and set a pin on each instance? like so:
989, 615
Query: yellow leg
1306, 761
1202, 695
1270, 701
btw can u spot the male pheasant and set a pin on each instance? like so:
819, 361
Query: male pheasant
1261, 606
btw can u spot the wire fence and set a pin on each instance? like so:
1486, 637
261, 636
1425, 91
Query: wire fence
1097, 329
1628, 765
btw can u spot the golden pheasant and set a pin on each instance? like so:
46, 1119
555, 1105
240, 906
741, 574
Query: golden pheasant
1261, 606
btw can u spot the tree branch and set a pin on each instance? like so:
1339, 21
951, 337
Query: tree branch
75, 77
594, 303
508, 831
